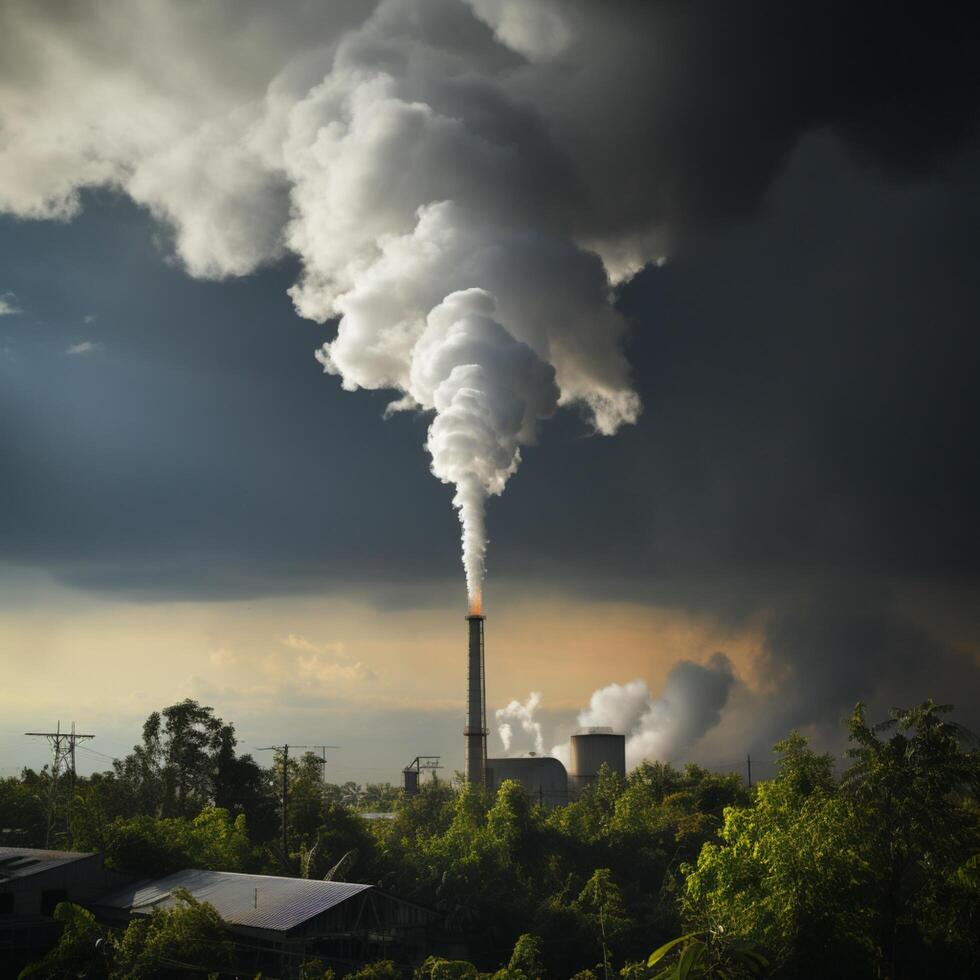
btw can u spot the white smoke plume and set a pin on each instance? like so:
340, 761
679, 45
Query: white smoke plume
523, 715
421, 158
689, 705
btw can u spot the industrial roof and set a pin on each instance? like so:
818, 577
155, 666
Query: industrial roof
256, 901
19, 862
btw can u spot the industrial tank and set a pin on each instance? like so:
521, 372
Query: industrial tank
543, 778
410, 779
591, 748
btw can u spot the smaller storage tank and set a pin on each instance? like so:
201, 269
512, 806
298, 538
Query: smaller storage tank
410, 778
591, 748
543, 778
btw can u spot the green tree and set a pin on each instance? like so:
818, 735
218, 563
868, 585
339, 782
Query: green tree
382, 970
24, 809
912, 790
189, 742
188, 936
379, 797
525, 961
602, 902
80, 950
212, 840
173, 771
435, 968
787, 872
313, 969
305, 796
873, 876
241, 786
700, 956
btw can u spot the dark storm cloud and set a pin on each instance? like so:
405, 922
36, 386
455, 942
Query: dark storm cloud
809, 398
676, 116
797, 414
828, 652
807, 377
806, 449
823, 653
806, 356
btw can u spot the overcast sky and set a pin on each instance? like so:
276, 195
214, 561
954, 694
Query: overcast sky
747, 255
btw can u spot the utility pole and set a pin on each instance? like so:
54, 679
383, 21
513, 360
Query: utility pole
63, 744
284, 749
748, 764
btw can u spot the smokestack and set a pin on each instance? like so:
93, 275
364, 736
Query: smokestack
476, 705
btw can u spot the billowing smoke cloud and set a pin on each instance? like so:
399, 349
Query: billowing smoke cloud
523, 715
822, 654
488, 391
463, 183
689, 705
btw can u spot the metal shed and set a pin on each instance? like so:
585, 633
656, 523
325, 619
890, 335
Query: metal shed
286, 919
32, 883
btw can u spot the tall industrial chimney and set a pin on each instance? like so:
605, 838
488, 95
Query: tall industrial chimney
476, 705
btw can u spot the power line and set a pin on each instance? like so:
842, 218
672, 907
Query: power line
111, 758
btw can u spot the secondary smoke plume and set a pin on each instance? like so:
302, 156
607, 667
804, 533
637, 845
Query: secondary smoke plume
462, 182
689, 705
523, 715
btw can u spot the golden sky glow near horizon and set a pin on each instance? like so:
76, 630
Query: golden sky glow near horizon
266, 663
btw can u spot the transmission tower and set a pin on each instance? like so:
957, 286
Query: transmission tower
323, 759
63, 744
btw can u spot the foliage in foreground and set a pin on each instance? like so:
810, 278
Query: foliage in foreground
187, 938
876, 874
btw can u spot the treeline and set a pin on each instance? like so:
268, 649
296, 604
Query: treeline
875, 873
184, 797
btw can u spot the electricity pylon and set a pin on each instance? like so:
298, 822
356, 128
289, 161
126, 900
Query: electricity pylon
63, 744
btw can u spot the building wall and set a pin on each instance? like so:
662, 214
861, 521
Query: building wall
79, 880
544, 779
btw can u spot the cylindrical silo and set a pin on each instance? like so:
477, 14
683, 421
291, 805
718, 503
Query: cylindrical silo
410, 779
591, 748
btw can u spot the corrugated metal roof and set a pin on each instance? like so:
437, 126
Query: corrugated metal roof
257, 901
19, 862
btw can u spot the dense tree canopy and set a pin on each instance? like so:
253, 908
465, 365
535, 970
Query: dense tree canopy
872, 874
875, 874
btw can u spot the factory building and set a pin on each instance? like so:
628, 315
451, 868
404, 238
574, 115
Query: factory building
544, 779
32, 883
